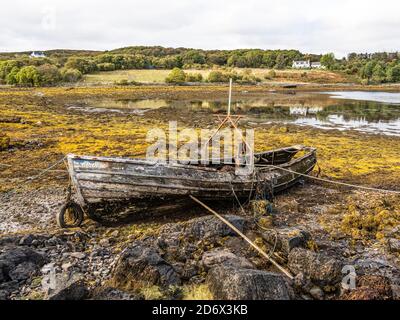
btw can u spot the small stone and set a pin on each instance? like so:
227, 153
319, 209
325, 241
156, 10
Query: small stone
394, 245
114, 234
26, 240
66, 266
35, 242
104, 242
317, 293
78, 255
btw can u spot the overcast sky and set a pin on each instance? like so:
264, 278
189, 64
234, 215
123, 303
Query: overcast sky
338, 26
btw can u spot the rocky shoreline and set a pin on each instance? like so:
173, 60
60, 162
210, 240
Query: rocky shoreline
177, 260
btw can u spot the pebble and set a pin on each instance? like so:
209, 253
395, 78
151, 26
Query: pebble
78, 255
66, 266
317, 293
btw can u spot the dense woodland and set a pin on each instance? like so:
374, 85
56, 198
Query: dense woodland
69, 65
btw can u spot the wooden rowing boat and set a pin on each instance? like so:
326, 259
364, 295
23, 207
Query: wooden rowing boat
105, 186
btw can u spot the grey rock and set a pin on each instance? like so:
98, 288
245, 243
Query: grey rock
286, 239
78, 255
229, 283
68, 288
26, 240
225, 257
7, 288
200, 229
394, 245
23, 271
211, 227
104, 242
12, 257
109, 293
320, 268
141, 262
4, 295
317, 293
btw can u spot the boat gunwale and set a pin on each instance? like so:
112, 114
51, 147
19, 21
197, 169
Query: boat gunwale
310, 151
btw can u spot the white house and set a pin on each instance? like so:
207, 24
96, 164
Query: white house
317, 65
306, 64
37, 55
301, 64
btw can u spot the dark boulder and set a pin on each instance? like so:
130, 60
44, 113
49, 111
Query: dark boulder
7, 288
142, 262
23, 271
321, 269
68, 288
184, 241
19, 263
230, 283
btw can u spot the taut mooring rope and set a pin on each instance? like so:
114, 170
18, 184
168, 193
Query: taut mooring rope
282, 269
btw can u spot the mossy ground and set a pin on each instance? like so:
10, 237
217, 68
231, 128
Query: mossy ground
47, 129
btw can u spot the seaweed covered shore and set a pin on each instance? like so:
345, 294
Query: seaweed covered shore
333, 226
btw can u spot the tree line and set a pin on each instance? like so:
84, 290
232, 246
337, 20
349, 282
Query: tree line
69, 66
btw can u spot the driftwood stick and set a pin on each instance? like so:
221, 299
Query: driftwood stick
282, 269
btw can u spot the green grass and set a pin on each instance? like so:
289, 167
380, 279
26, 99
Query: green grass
144, 76
158, 76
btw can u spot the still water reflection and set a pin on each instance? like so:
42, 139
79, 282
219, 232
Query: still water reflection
369, 112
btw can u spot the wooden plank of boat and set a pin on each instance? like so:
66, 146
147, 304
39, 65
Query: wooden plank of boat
98, 179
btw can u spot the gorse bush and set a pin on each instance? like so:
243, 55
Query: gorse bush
194, 77
28, 76
176, 76
71, 75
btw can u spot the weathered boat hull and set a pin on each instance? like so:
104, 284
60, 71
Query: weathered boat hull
102, 182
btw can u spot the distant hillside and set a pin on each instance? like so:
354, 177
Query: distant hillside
59, 65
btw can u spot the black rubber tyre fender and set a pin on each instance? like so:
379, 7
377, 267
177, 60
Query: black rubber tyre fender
77, 212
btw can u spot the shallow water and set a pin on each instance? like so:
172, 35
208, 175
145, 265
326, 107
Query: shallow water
368, 112
384, 97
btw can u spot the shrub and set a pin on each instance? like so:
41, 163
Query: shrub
7, 66
84, 65
71, 75
270, 75
125, 82
11, 77
106, 66
28, 76
393, 74
218, 76
49, 74
248, 77
194, 77
176, 76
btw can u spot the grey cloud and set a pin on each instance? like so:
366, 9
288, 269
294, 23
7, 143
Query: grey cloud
311, 26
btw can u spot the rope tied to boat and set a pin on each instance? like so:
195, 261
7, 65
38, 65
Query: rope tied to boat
276, 264
330, 181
